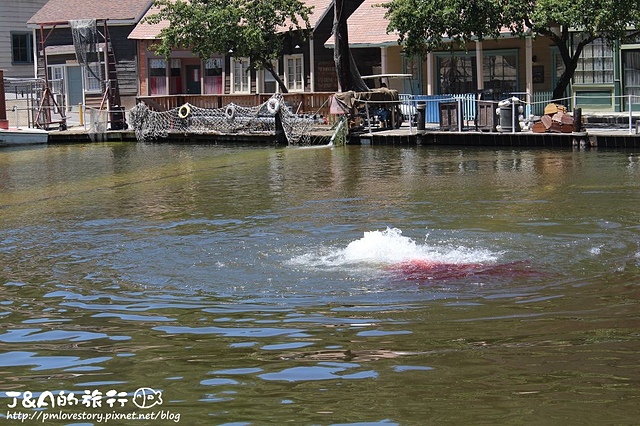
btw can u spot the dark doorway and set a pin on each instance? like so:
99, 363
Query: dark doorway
193, 79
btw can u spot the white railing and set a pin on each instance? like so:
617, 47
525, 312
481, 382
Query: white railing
468, 104
539, 101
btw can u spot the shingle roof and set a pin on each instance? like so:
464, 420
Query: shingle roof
59, 11
367, 26
145, 31
320, 8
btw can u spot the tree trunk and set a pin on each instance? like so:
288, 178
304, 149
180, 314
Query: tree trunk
269, 67
559, 92
570, 65
569, 59
349, 77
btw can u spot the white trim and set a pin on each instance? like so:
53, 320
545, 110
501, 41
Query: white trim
383, 59
294, 86
430, 73
479, 65
312, 64
232, 68
528, 54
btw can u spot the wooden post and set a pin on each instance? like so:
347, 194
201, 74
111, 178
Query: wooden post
4, 123
281, 137
577, 120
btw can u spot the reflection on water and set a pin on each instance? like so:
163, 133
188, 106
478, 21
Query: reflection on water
360, 285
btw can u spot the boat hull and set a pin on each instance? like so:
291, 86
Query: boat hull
23, 136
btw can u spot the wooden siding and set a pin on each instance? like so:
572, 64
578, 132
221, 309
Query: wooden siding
13, 17
124, 51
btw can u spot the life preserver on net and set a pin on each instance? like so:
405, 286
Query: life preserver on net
230, 112
273, 106
184, 111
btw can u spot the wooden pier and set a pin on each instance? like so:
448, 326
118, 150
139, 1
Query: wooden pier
609, 138
604, 138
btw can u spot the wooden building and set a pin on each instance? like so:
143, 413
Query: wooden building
304, 66
115, 60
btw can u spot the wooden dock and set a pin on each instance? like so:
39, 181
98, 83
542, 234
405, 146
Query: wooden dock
606, 138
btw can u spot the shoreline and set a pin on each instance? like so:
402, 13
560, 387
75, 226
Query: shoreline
601, 137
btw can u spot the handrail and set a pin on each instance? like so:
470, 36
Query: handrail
302, 102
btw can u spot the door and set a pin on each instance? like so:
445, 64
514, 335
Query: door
74, 87
413, 66
193, 79
631, 75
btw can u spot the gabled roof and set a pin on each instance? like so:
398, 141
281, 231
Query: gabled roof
62, 11
367, 27
320, 10
146, 31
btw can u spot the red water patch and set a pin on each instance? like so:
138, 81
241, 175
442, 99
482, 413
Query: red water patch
420, 269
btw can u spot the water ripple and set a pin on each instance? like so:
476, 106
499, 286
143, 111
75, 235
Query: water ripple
41, 362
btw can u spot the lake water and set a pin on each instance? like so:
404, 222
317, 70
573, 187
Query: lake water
360, 285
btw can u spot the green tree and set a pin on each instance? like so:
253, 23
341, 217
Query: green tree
426, 25
249, 28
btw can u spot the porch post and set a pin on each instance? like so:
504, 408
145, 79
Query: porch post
312, 65
383, 60
618, 102
4, 123
429, 74
528, 48
479, 66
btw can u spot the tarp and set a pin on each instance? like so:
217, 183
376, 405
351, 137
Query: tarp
347, 100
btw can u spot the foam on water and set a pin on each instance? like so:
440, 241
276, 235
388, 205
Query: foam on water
385, 250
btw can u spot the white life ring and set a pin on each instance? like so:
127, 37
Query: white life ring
273, 106
230, 112
184, 111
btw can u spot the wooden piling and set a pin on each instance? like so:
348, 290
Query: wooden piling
4, 123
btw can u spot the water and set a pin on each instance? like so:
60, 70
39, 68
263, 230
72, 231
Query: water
357, 285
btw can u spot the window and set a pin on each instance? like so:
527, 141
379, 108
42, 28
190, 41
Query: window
500, 72
631, 71
176, 76
270, 83
457, 72
213, 75
595, 65
56, 78
21, 48
294, 73
93, 77
157, 77
557, 69
412, 65
240, 75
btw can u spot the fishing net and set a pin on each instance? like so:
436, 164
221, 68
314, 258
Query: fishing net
230, 119
97, 125
85, 43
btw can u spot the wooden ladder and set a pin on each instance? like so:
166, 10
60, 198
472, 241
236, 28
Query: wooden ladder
111, 95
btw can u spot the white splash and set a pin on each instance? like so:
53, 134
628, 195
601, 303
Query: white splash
388, 247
